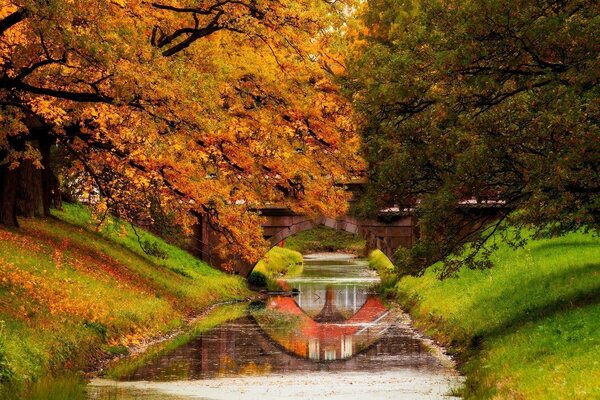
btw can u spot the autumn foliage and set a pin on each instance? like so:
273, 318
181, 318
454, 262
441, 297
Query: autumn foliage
203, 109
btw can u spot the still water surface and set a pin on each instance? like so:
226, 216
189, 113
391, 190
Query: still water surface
334, 340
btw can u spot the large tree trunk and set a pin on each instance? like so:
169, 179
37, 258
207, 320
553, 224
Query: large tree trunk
28, 190
8, 195
47, 174
55, 193
29, 196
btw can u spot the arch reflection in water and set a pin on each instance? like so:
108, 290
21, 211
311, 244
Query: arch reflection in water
328, 336
337, 316
332, 325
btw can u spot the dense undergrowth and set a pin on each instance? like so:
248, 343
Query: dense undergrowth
324, 239
70, 295
278, 263
529, 328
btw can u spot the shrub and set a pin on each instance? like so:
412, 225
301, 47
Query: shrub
257, 279
118, 350
153, 249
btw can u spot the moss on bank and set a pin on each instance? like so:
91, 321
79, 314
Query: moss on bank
527, 329
70, 295
278, 263
381, 264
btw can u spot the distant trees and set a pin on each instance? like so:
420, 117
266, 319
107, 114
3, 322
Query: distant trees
200, 108
486, 100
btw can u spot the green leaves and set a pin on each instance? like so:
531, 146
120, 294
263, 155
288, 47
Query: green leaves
479, 101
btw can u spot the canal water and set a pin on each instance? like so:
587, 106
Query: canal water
334, 339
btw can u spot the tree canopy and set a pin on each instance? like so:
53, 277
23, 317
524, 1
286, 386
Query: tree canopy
486, 103
207, 108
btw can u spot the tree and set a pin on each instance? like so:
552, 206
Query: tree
487, 103
212, 107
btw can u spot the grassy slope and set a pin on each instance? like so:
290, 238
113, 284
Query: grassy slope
68, 294
277, 263
527, 329
323, 239
380, 263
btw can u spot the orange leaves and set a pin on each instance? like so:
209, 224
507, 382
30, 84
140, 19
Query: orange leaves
57, 301
244, 116
49, 109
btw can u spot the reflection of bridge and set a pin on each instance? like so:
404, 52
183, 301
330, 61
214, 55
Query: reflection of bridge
329, 337
312, 298
242, 347
259, 343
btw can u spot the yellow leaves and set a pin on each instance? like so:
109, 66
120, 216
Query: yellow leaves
121, 3
50, 109
230, 121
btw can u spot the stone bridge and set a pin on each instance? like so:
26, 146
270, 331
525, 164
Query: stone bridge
388, 231
385, 234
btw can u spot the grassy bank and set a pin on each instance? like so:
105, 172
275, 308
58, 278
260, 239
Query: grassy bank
279, 262
219, 316
323, 239
381, 264
527, 329
70, 295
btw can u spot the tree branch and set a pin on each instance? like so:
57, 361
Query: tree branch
12, 19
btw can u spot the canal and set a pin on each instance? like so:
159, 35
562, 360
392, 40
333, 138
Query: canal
333, 339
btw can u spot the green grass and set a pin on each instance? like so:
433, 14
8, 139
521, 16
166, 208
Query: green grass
215, 318
380, 263
324, 239
527, 329
278, 263
70, 294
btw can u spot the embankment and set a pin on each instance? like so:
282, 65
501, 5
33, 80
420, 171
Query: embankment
527, 329
70, 296
278, 263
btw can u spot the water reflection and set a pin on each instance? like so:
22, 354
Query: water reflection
347, 280
329, 335
334, 324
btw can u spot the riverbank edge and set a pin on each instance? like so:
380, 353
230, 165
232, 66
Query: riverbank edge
430, 328
193, 324
477, 355
218, 314
446, 357
88, 353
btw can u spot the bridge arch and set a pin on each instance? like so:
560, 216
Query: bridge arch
386, 236
280, 223
297, 225
301, 223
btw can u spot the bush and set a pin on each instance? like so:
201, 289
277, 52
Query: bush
97, 327
379, 262
153, 249
118, 350
257, 279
